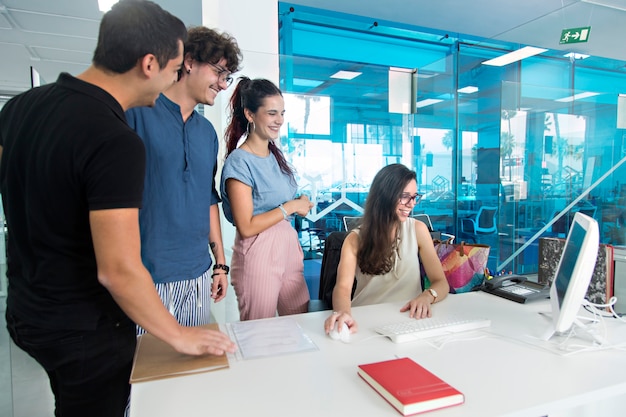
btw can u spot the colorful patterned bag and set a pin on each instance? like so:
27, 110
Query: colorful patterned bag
463, 264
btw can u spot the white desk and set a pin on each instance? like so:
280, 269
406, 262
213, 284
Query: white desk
499, 376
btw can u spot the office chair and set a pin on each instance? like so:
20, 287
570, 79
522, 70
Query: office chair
425, 218
350, 223
328, 271
315, 238
483, 224
560, 226
589, 211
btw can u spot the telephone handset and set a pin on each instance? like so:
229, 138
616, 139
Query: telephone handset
504, 281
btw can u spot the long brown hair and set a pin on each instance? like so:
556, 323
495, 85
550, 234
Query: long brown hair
249, 94
375, 253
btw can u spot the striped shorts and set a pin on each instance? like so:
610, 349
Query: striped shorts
188, 300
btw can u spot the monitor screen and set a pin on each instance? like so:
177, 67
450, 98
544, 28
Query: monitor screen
574, 271
568, 260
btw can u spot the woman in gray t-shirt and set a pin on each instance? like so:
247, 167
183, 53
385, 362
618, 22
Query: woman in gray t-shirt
258, 192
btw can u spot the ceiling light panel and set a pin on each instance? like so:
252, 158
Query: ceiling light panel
468, 90
345, 75
515, 56
578, 96
427, 102
575, 55
105, 5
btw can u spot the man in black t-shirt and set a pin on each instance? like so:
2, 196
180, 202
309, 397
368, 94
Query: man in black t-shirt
71, 177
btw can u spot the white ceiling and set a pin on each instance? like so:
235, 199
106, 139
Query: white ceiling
60, 35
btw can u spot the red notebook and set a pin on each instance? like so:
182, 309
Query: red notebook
408, 387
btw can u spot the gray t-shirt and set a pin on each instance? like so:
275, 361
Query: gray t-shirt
270, 186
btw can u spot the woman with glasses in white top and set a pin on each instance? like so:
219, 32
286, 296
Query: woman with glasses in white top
383, 254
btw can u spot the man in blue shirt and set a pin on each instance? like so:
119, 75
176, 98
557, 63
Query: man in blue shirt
180, 218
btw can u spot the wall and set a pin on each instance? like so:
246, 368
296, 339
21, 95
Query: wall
255, 26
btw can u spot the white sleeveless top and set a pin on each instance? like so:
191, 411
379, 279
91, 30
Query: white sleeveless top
402, 283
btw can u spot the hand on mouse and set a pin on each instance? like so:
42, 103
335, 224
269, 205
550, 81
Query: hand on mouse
339, 319
343, 334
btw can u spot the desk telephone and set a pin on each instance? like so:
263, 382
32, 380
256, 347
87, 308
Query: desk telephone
516, 288
504, 281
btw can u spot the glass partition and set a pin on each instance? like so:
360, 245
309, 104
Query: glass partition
337, 134
518, 148
563, 159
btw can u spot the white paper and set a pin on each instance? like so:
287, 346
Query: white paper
269, 337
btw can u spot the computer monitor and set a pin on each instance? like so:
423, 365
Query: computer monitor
573, 273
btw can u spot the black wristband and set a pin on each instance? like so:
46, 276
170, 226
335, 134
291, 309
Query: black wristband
221, 266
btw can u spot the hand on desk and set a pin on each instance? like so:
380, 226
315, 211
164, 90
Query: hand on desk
199, 341
419, 307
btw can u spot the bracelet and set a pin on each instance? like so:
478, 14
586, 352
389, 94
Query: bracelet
221, 266
280, 206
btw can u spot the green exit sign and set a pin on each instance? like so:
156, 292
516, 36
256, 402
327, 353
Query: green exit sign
575, 35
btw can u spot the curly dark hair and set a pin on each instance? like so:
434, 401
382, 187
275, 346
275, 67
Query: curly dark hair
207, 45
375, 253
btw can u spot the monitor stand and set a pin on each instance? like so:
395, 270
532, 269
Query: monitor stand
581, 328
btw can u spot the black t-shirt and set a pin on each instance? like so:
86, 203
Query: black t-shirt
67, 150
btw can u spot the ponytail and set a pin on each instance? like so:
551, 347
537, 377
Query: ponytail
249, 94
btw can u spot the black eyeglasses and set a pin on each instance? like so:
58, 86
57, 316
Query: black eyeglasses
406, 198
223, 74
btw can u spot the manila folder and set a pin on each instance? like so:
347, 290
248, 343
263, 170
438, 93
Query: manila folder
155, 359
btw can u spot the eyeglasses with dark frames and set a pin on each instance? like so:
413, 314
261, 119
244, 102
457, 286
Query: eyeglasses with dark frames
222, 73
406, 198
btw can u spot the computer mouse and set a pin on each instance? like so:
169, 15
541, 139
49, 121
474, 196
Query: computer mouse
343, 335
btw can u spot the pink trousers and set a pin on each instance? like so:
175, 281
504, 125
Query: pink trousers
267, 273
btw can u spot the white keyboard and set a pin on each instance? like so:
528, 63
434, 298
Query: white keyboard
417, 329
